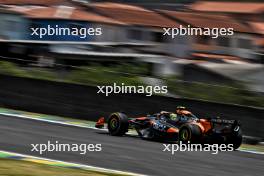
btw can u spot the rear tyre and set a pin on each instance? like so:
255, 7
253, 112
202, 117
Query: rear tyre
189, 132
235, 139
117, 124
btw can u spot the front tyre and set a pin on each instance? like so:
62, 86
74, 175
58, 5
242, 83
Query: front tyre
189, 132
117, 124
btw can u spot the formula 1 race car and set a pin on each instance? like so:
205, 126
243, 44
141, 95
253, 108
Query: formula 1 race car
181, 126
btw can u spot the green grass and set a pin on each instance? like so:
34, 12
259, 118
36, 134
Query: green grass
234, 93
99, 75
88, 75
258, 148
25, 168
11, 69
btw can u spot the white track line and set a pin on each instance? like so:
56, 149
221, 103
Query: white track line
81, 166
250, 151
49, 121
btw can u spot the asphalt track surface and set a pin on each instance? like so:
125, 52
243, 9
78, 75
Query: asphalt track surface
124, 153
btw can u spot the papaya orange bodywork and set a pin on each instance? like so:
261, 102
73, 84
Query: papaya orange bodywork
172, 130
100, 123
204, 125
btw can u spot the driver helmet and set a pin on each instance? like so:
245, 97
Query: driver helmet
173, 116
179, 109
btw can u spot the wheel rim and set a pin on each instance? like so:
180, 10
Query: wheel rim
113, 123
184, 134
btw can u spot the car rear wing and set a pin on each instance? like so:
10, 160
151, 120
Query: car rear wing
223, 121
234, 124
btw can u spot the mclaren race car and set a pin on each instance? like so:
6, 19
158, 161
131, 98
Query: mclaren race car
181, 125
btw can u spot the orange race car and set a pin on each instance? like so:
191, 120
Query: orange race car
181, 125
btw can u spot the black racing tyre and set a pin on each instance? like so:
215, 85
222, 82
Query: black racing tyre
189, 132
235, 139
117, 124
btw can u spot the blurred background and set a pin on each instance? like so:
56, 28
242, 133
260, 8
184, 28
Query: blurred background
132, 48
56, 76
